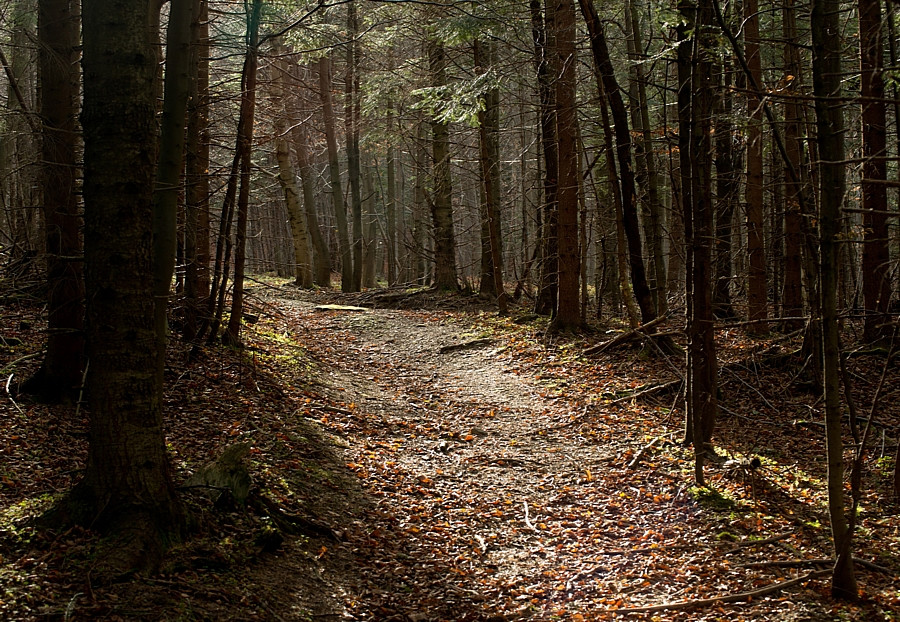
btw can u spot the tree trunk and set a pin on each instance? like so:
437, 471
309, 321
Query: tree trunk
827, 46
488, 134
196, 237
170, 165
351, 124
757, 308
542, 33
727, 184
127, 485
568, 311
61, 372
792, 297
232, 334
441, 205
337, 197
303, 276
604, 65
875, 260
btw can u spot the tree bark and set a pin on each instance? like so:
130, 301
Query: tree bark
441, 199
232, 334
827, 46
875, 260
351, 124
337, 197
127, 485
757, 307
61, 372
619, 113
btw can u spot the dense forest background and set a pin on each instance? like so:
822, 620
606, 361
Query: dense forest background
701, 165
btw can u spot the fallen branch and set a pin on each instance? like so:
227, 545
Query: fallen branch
659, 388
475, 343
702, 603
822, 561
624, 337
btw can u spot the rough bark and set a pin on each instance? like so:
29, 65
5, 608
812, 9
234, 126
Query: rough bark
875, 260
441, 205
827, 46
127, 486
757, 307
61, 371
351, 125
334, 173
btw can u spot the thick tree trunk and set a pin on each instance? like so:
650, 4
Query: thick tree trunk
441, 205
334, 172
127, 485
827, 48
875, 261
61, 372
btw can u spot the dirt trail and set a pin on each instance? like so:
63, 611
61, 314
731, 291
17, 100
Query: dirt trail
481, 495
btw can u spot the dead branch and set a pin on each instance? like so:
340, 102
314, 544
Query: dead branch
624, 337
729, 598
475, 343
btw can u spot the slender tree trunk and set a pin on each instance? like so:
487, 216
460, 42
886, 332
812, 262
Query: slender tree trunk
568, 312
542, 33
441, 206
351, 123
757, 307
232, 335
60, 374
875, 260
337, 197
727, 184
303, 275
792, 297
170, 166
196, 237
489, 129
827, 48
604, 65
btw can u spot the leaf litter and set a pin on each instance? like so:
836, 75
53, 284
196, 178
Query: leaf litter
468, 468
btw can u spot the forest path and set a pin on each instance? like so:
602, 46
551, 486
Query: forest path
490, 499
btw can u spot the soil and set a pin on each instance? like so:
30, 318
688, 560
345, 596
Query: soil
440, 463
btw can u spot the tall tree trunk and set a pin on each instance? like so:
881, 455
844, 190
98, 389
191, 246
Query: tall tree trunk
370, 224
757, 307
488, 134
334, 171
60, 374
303, 276
875, 260
170, 165
441, 205
827, 47
232, 334
727, 184
300, 140
351, 124
646, 162
196, 237
792, 297
604, 65
127, 485
568, 310
542, 32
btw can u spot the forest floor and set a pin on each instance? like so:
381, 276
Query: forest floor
433, 461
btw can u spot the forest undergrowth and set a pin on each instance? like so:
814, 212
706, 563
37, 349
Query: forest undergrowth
432, 461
